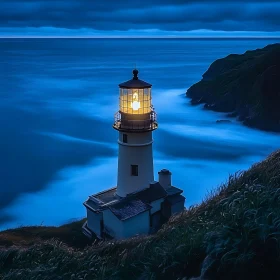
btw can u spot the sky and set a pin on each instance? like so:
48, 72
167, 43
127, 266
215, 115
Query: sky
139, 18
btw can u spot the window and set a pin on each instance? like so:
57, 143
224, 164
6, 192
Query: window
134, 170
135, 101
124, 138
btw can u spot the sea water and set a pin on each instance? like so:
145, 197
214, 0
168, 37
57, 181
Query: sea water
57, 103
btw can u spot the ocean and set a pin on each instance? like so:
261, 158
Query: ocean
58, 98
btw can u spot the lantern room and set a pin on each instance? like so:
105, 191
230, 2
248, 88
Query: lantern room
135, 96
135, 106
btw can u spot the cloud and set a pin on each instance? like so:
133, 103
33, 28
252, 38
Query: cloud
166, 15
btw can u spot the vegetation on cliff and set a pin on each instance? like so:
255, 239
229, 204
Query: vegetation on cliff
70, 234
247, 86
233, 234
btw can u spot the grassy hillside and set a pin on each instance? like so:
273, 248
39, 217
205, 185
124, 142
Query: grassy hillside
233, 234
70, 234
247, 86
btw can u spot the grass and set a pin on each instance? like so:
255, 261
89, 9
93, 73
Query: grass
70, 234
233, 234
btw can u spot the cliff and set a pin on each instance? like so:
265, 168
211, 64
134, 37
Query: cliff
233, 234
247, 86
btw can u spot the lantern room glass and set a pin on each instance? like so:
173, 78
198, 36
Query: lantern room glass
135, 101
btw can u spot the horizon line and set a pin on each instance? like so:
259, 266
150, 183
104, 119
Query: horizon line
134, 37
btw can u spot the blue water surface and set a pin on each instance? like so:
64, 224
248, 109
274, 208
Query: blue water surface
57, 103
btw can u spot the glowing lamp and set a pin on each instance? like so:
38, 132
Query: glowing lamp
135, 104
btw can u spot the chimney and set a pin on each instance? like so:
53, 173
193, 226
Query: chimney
164, 178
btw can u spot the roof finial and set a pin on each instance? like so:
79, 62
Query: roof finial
135, 74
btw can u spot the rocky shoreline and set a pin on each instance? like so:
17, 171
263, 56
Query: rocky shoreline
244, 86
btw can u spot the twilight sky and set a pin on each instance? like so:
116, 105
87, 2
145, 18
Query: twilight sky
99, 18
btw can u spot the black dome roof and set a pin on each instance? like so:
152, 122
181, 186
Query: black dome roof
135, 82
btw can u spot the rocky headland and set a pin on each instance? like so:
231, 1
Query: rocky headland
245, 86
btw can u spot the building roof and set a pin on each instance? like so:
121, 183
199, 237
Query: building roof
133, 204
97, 201
92, 205
137, 203
107, 195
153, 193
173, 190
135, 82
128, 208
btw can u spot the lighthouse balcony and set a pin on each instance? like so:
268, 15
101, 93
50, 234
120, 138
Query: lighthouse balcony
134, 122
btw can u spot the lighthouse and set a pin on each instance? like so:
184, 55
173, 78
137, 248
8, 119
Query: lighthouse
137, 204
135, 121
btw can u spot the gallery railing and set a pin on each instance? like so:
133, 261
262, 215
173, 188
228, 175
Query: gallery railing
128, 122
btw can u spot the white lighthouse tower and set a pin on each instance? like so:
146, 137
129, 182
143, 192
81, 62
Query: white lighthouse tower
138, 204
135, 121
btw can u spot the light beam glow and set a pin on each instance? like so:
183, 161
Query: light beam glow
135, 104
